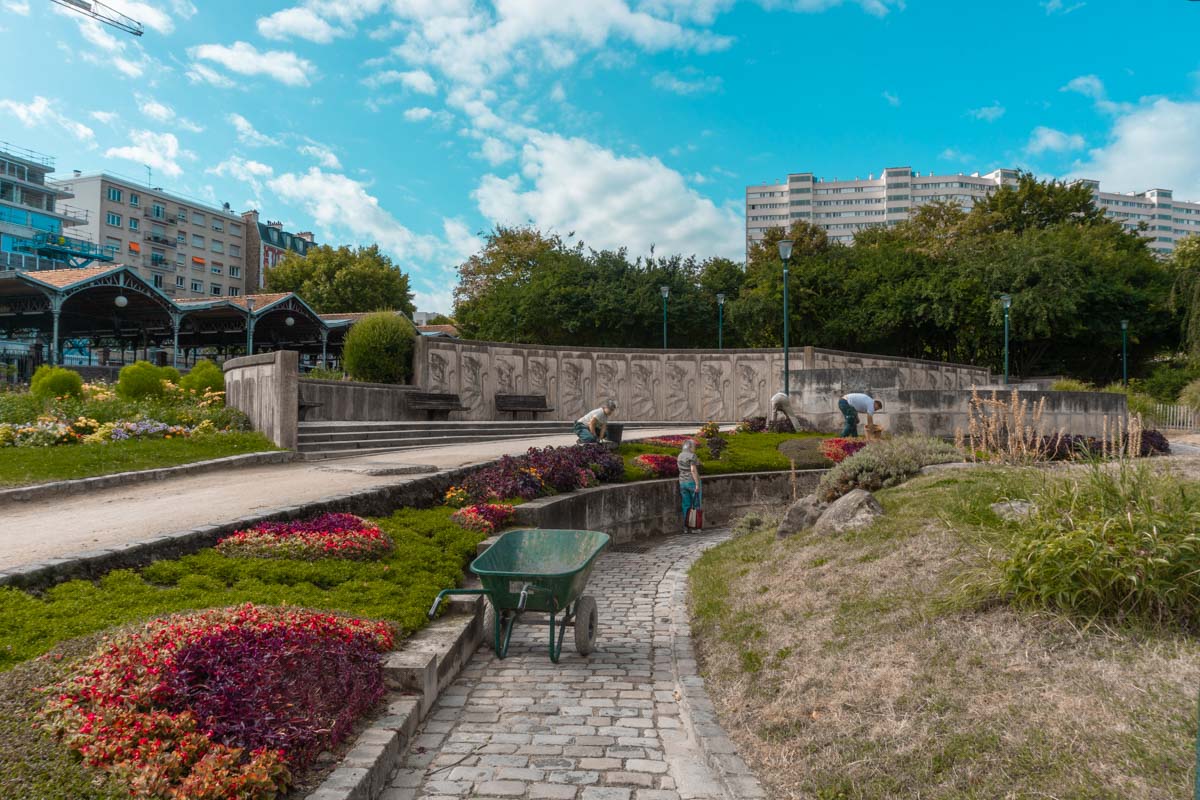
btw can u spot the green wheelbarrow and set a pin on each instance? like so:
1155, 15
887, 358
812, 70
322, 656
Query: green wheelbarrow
537, 570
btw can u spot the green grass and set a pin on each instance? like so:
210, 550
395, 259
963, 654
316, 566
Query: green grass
429, 556
21, 466
746, 452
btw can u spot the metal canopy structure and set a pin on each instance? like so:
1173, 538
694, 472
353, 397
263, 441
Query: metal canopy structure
114, 302
102, 13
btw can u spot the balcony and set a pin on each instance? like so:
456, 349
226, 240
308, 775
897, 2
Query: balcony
66, 248
164, 218
163, 240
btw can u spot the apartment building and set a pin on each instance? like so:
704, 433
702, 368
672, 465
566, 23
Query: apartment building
34, 222
182, 246
266, 243
844, 207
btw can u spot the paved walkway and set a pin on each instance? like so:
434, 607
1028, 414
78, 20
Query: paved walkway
623, 724
44, 529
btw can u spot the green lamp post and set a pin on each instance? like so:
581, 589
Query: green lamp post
720, 320
1006, 300
785, 255
666, 292
1124, 352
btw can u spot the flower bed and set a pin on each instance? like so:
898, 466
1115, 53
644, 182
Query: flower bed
485, 518
226, 703
327, 536
49, 432
540, 472
660, 466
670, 440
838, 450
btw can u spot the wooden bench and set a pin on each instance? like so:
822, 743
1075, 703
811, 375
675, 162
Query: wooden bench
306, 406
532, 404
437, 405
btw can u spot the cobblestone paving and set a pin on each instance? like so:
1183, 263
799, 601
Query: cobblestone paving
607, 727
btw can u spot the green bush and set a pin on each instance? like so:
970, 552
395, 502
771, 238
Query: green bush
141, 379
1137, 402
50, 382
1167, 380
1071, 385
1190, 395
885, 463
204, 377
1124, 540
379, 348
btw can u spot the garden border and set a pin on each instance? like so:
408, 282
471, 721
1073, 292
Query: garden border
42, 491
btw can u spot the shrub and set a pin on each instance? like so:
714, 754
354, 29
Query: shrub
1154, 443
884, 463
1071, 385
204, 377
716, 445
708, 430
1190, 395
781, 425
327, 536
1122, 541
1167, 380
752, 425
379, 348
141, 380
486, 518
660, 466
839, 449
1137, 402
541, 472
50, 382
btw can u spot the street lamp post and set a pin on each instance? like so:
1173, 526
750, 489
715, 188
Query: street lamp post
1124, 352
249, 326
666, 292
720, 320
1006, 300
785, 255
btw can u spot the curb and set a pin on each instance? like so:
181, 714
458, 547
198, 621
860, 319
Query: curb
429, 662
56, 489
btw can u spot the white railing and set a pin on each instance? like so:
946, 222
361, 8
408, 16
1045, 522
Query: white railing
1178, 417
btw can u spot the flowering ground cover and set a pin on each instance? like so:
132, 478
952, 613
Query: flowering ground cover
744, 452
658, 465
485, 518
839, 449
326, 536
537, 473
222, 703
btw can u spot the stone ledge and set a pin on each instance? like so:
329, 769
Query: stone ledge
43, 491
430, 660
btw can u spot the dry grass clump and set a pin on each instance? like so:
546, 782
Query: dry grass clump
854, 668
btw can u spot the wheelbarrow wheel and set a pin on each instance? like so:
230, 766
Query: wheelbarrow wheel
489, 624
585, 625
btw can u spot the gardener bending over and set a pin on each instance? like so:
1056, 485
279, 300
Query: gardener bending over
689, 479
852, 405
592, 427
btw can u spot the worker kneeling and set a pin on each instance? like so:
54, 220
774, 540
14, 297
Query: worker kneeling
853, 404
592, 427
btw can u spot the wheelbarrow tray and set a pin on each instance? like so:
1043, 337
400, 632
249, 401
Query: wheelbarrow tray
555, 563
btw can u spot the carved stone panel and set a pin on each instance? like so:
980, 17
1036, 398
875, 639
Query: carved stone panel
715, 383
611, 378
681, 394
575, 387
509, 379
542, 378
645, 380
752, 387
474, 375
441, 372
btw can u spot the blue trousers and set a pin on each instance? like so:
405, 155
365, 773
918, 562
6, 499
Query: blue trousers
689, 497
849, 413
585, 434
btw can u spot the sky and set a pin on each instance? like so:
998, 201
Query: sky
421, 124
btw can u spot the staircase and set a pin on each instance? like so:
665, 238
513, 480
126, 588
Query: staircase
319, 440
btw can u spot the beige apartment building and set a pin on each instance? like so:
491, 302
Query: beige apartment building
182, 246
844, 207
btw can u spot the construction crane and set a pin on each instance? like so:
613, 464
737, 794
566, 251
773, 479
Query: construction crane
102, 13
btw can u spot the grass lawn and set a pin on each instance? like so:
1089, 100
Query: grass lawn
66, 622
746, 452
21, 466
878, 664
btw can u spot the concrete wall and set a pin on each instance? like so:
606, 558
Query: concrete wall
265, 388
649, 385
631, 511
354, 401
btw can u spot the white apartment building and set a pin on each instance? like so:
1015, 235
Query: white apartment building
844, 207
182, 246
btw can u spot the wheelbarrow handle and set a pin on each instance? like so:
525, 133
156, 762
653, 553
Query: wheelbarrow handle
437, 601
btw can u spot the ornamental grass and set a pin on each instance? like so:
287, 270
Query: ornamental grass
225, 703
327, 536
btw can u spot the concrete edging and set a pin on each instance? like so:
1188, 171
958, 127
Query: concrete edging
43, 491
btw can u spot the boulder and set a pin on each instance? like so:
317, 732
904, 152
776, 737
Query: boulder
1014, 510
852, 511
800, 516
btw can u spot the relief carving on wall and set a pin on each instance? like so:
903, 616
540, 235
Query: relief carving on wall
750, 382
608, 380
539, 381
643, 389
472, 383
439, 373
576, 394
506, 375
715, 387
681, 386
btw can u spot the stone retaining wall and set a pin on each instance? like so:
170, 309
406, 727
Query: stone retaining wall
354, 401
265, 388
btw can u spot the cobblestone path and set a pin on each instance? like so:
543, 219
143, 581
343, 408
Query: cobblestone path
626, 723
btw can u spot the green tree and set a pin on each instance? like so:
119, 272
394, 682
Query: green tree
1185, 292
1036, 204
439, 319
343, 279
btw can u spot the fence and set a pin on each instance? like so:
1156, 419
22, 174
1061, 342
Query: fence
1176, 417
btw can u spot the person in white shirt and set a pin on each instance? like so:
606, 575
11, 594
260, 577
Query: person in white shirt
592, 427
853, 404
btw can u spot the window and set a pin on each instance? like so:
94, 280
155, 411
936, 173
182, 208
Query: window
197, 218
234, 229
158, 211
197, 286
217, 226
197, 240
234, 291
134, 247
114, 194
235, 250
216, 290
218, 247
113, 244
179, 260
235, 272
179, 281
134, 200
158, 280
113, 219
198, 260
133, 224
181, 214
217, 269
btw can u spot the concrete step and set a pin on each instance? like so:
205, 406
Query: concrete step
358, 445
307, 437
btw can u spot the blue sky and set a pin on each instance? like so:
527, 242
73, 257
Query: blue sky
421, 123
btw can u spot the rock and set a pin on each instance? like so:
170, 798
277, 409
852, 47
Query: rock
850, 512
800, 516
1014, 510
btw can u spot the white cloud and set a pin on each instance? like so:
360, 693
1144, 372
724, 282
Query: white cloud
1151, 146
247, 134
107, 117
988, 113
107, 50
892, 100
1091, 86
557, 93
160, 151
1045, 139
685, 86
42, 112
954, 154
609, 200
161, 112
495, 151
417, 114
248, 171
202, 73
1059, 7
151, 16
245, 59
303, 23
19, 7
418, 80
324, 156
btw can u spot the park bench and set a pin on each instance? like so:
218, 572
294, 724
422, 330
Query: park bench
437, 405
532, 404
306, 406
